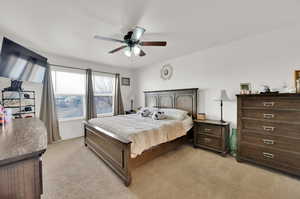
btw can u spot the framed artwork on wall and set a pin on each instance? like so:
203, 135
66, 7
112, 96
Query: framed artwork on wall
125, 81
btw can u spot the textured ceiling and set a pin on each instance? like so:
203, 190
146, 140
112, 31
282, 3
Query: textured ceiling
67, 27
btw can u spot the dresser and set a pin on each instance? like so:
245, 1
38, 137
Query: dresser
269, 131
22, 144
211, 134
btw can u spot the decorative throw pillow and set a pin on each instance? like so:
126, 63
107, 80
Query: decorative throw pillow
144, 112
158, 115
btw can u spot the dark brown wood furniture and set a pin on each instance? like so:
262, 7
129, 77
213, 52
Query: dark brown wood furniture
211, 134
115, 151
22, 143
269, 131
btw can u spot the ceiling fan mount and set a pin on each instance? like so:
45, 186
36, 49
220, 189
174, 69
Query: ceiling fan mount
132, 43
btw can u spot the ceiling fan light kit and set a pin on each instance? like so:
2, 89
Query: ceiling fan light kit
132, 50
136, 50
127, 52
132, 43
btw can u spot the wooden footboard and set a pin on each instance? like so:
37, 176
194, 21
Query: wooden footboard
112, 149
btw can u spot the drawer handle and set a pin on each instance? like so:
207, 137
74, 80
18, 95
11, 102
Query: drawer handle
266, 141
269, 104
207, 139
269, 116
268, 155
207, 130
269, 128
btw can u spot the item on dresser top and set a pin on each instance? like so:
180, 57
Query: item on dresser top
268, 131
222, 97
284, 88
245, 88
201, 116
292, 90
264, 89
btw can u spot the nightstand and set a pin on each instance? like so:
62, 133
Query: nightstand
130, 112
212, 134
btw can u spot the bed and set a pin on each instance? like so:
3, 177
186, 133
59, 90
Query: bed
125, 142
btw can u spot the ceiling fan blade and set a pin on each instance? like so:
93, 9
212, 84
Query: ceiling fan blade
108, 39
153, 43
137, 33
142, 53
117, 49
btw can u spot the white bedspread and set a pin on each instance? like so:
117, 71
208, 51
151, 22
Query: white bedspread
144, 132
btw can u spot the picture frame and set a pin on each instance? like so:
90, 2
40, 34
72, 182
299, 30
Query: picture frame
245, 88
125, 81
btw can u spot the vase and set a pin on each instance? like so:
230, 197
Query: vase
233, 142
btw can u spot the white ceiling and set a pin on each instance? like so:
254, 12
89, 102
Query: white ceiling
67, 27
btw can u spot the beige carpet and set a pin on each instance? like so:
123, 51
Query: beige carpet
71, 171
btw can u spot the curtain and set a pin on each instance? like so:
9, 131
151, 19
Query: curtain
90, 104
48, 108
118, 103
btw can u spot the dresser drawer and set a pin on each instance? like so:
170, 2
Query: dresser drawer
272, 128
271, 115
271, 157
275, 142
272, 103
206, 140
209, 130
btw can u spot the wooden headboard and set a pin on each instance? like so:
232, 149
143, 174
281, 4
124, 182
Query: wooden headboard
185, 99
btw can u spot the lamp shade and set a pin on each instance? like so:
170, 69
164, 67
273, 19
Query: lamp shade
222, 96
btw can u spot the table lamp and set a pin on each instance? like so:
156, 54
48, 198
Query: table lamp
222, 98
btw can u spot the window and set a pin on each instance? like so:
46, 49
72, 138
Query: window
103, 93
69, 90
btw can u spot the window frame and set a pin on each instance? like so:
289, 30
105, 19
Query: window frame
112, 94
54, 82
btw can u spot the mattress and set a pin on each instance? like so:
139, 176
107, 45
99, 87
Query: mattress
144, 132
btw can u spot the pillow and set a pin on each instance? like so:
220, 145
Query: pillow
144, 112
158, 115
175, 114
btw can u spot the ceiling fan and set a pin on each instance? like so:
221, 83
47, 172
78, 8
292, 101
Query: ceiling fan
132, 43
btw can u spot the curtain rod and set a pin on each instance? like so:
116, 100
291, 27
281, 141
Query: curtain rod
71, 67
